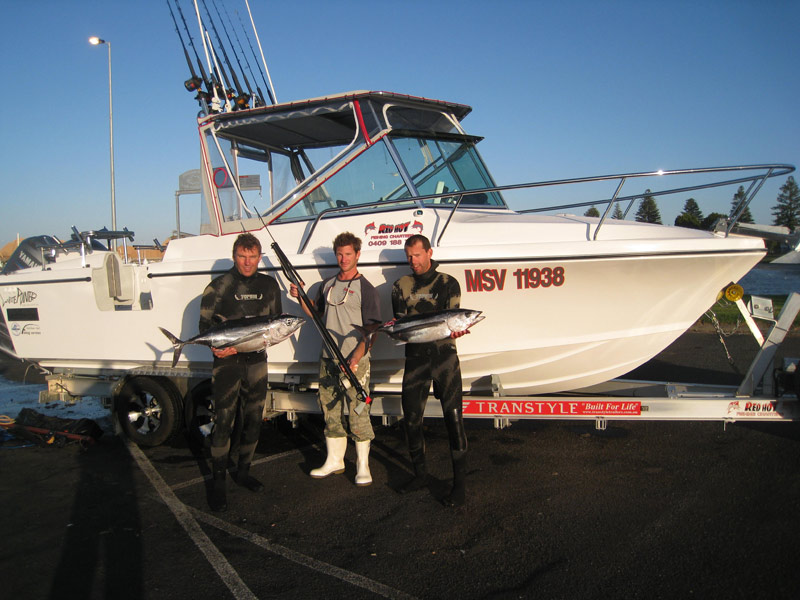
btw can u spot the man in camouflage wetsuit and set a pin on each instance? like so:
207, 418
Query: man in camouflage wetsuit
344, 301
239, 380
427, 290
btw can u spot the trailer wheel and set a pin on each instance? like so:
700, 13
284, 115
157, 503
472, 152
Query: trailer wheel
199, 413
147, 409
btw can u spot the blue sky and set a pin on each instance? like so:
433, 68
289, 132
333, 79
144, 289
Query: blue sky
558, 89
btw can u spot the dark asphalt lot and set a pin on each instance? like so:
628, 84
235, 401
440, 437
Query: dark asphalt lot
555, 510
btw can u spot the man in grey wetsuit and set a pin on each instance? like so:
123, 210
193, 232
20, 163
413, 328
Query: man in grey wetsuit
238, 380
344, 300
427, 290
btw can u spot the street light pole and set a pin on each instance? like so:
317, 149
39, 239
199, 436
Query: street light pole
95, 41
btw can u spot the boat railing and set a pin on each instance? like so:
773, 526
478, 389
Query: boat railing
754, 175
84, 242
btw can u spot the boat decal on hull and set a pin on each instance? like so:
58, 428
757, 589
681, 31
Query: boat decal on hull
21, 312
489, 280
391, 234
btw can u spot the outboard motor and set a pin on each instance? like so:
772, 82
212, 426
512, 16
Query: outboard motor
28, 254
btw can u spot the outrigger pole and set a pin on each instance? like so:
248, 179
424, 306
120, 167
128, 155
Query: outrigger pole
270, 87
347, 378
255, 59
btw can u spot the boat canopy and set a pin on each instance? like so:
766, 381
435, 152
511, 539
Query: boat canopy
331, 120
338, 153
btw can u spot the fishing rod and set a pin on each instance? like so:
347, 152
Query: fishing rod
239, 97
229, 93
255, 58
219, 91
244, 55
347, 378
194, 83
270, 87
210, 87
242, 100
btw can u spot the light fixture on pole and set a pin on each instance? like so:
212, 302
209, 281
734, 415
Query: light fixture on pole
96, 41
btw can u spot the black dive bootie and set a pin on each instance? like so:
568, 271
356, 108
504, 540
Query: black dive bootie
420, 479
218, 500
457, 495
244, 479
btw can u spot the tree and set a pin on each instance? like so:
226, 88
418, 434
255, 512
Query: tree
592, 212
708, 222
691, 216
787, 210
738, 197
687, 220
691, 207
617, 214
648, 210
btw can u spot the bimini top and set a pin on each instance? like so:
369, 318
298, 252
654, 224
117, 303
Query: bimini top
331, 120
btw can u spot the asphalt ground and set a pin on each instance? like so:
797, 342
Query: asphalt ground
555, 509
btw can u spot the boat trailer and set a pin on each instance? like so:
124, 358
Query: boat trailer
151, 403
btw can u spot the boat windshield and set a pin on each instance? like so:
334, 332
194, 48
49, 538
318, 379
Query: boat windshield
437, 166
428, 166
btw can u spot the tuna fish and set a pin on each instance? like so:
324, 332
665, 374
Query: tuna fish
426, 327
250, 334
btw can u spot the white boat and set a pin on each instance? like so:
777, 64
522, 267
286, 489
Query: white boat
569, 300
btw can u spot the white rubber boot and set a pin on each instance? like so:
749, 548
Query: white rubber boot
334, 463
363, 476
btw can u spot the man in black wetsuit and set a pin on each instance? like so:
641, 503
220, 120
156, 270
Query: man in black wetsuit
427, 290
239, 380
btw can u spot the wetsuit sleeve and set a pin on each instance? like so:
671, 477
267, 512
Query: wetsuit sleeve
274, 304
453, 293
370, 303
209, 304
399, 307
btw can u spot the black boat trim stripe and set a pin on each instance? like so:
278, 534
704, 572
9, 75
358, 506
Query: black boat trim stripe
44, 281
498, 260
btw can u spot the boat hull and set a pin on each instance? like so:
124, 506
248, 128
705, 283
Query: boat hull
556, 319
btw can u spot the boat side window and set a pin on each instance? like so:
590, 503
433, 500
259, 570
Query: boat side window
263, 176
439, 166
222, 179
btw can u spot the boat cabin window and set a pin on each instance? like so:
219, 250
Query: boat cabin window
438, 166
312, 180
372, 177
435, 166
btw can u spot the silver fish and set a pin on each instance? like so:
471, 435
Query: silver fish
426, 327
250, 334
